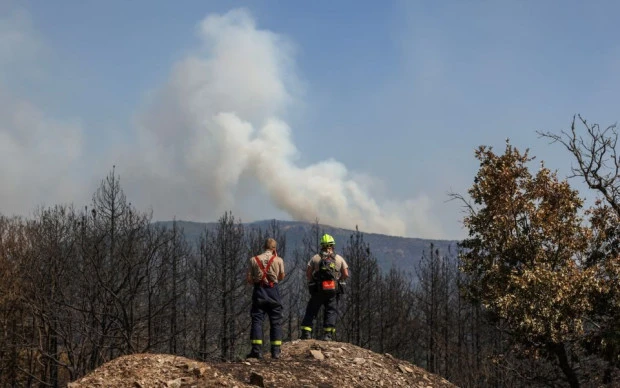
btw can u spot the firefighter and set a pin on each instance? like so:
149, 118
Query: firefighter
326, 273
264, 272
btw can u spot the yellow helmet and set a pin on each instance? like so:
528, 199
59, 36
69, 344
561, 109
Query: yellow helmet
327, 240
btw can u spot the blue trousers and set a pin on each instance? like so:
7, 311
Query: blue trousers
266, 301
330, 302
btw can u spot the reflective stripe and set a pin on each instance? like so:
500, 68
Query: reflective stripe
329, 329
257, 342
306, 328
276, 343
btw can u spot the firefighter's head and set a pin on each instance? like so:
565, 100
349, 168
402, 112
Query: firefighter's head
271, 244
327, 242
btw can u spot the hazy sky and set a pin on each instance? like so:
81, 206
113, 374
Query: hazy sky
353, 112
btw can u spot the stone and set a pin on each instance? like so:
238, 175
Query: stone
317, 354
256, 379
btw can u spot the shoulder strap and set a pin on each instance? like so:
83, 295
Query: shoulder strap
264, 270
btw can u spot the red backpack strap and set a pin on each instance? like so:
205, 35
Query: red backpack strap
264, 270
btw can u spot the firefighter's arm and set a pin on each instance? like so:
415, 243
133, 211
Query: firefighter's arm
248, 276
281, 274
309, 272
344, 274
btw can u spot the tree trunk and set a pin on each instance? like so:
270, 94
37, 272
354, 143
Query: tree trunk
560, 351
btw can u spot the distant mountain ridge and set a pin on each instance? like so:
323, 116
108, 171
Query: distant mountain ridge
401, 252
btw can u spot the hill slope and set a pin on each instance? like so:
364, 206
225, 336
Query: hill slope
401, 252
309, 363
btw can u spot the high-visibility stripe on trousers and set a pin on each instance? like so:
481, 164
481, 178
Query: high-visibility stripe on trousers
330, 302
266, 301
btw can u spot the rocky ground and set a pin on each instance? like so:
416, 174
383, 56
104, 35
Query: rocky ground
308, 364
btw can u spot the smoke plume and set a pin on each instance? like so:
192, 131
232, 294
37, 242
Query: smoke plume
213, 136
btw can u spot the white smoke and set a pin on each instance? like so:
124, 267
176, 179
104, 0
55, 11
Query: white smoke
218, 121
37, 152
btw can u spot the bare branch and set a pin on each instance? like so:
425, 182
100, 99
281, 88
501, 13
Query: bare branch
595, 155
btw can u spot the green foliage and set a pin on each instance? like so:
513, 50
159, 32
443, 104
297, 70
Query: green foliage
529, 256
524, 248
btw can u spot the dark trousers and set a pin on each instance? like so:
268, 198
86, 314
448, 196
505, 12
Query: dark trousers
318, 299
266, 300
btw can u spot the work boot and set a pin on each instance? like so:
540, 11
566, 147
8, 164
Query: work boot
327, 336
275, 352
255, 353
306, 335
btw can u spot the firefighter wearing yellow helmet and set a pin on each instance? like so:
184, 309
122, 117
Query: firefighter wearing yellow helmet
326, 273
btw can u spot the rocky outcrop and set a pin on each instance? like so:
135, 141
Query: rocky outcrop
308, 364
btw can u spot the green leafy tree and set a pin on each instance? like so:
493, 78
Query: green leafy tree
525, 254
597, 163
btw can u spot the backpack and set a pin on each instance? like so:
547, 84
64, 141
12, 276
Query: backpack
327, 278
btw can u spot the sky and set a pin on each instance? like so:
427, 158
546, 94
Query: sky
359, 113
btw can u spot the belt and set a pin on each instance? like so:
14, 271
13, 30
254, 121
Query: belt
265, 285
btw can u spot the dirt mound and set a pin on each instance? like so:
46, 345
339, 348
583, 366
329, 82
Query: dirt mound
155, 370
308, 364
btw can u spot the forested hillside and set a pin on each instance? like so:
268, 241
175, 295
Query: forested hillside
403, 253
81, 287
